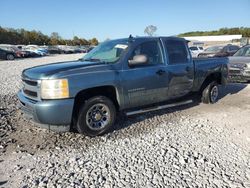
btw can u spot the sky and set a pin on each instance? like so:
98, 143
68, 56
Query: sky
119, 18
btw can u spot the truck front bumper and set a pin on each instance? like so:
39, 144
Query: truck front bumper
51, 114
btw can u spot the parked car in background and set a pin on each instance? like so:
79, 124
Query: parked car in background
29, 51
83, 49
68, 49
195, 50
239, 65
36, 49
62, 49
7, 54
13, 48
55, 50
90, 48
79, 49
219, 51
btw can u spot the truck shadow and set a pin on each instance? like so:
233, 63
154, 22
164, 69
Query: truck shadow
231, 89
132, 126
124, 121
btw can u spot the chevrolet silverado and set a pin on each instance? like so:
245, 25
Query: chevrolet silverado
132, 75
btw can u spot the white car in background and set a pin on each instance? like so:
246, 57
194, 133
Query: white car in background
195, 50
36, 49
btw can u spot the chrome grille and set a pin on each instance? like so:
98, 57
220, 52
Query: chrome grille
234, 71
30, 93
30, 82
31, 88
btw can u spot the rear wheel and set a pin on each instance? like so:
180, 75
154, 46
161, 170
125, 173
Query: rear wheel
96, 116
211, 93
10, 57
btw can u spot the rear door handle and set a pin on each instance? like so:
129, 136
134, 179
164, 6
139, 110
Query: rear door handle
160, 72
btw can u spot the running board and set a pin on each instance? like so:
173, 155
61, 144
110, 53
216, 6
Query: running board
158, 107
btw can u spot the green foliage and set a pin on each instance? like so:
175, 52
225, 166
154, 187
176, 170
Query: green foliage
21, 36
93, 41
244, 31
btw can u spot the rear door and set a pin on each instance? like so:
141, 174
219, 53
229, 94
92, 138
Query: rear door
145, 84
180, 67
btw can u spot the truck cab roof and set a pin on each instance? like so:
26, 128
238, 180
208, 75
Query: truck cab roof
158, 37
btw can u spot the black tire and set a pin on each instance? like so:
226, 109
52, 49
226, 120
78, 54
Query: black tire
87, 121
10, 57
211, 93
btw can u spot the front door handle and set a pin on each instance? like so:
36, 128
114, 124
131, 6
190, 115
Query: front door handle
160, 72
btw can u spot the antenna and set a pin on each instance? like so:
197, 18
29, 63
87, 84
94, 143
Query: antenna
130, 38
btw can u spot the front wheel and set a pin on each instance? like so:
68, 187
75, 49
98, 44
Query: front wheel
10, 57
211, 93
96, 116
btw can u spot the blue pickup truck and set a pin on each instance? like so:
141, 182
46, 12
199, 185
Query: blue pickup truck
132, 75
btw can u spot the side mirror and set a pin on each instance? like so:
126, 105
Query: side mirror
138, 60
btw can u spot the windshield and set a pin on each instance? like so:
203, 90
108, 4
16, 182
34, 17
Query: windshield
214, 49
193, 48
245, 51
107, 52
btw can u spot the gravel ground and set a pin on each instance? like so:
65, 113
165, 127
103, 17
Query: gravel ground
191, 146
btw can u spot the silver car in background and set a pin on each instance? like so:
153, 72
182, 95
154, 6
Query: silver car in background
239, 65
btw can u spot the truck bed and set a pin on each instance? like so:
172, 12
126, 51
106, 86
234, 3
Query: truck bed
205, 66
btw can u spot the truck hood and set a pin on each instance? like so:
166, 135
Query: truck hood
238, 62
46, 71
209, 54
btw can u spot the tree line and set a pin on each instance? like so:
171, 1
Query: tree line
244, 31
22, 36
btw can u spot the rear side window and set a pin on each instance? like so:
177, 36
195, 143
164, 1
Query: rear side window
233, 48
193, 48
177, 52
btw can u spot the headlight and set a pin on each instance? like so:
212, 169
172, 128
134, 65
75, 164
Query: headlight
247, 66
54, 89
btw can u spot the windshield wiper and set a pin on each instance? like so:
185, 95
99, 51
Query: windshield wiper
95, 60
92, 60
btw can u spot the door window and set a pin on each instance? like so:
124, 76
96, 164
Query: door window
193, 48
152, 50
177, 52
233, 48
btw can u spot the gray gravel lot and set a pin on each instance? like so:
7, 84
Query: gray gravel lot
191, 146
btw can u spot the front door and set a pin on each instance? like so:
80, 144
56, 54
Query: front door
146, 84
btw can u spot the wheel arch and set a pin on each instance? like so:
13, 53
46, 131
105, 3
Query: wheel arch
216, 76
107, 91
